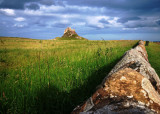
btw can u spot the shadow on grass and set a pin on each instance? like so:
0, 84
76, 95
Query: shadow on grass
135, 44
52, 100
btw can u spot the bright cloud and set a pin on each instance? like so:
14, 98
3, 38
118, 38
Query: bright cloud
51, 8
9, 12
102, 21
113, 22
19, 19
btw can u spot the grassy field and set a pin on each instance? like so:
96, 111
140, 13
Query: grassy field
48, 76
153, 51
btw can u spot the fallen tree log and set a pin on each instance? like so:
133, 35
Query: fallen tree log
132, 86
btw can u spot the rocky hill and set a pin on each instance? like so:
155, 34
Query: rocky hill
70, 34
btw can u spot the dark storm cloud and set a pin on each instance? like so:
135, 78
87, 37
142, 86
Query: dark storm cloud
122, 8
32, 6
120, 4
15, 4
19, 4
114, 4
126, 19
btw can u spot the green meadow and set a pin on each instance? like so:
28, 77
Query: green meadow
54, 76
153, 51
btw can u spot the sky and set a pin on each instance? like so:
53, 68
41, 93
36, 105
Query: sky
92, 19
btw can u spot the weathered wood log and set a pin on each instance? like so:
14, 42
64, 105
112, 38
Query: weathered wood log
132, 86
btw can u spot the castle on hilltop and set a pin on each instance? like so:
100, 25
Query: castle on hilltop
70, 34
70, 30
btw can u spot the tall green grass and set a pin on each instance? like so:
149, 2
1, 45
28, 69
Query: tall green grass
153, 51
53, 76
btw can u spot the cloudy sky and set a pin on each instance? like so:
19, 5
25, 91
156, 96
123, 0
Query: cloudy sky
92, 19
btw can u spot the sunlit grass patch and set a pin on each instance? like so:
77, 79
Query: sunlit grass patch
53, 76
153, 51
